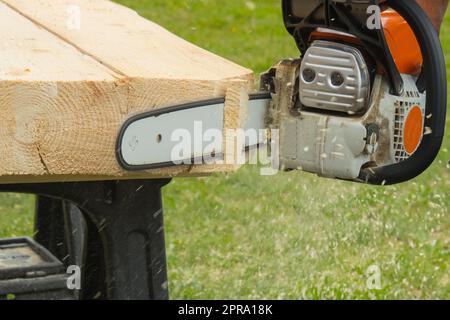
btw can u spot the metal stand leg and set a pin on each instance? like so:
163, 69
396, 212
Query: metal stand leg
124, 256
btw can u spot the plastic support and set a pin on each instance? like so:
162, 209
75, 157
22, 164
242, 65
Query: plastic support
114, 229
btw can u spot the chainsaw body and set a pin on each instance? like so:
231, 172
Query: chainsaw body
358, 107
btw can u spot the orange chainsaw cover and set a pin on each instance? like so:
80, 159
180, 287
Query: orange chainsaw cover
402, 42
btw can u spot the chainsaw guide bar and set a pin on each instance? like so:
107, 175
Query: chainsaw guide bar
147, 140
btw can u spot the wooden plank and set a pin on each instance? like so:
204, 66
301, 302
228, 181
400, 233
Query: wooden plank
129, 44
65, 92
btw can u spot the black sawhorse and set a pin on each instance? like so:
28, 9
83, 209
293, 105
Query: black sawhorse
113, 230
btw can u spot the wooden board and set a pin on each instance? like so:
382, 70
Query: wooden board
67, 86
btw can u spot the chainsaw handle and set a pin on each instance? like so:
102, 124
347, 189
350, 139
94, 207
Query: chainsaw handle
436, 101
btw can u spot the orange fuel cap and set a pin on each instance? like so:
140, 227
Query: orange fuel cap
413, 130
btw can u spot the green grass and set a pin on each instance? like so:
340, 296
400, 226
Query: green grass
16, 215
293, 235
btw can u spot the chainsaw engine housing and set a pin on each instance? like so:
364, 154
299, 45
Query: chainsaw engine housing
354, 106
340, 145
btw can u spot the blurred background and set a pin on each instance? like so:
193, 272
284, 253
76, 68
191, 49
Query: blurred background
293, 235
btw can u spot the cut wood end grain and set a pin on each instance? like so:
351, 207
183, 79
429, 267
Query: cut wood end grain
65, 92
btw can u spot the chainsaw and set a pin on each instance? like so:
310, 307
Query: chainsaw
365, 101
